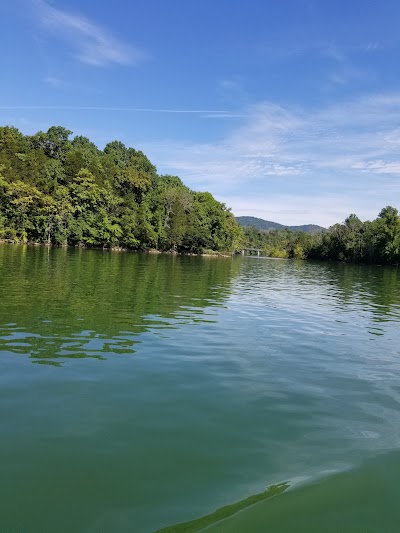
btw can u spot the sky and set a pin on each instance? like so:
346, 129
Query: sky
283, 110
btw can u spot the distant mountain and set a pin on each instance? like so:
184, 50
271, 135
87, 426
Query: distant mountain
259, 223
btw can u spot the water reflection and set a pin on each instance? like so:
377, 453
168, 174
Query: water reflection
370, 291
61, 303
245, 373
67, 303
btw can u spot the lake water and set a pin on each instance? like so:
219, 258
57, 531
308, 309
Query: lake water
141, 391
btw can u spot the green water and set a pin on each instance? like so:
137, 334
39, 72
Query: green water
142, 391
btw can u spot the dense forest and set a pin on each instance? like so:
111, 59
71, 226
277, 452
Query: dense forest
59, 191
353, 241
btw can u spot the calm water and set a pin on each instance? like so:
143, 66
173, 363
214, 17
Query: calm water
141, 391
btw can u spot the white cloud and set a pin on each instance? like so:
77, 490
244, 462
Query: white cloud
334, 160
295, 209
94, 45
378, 166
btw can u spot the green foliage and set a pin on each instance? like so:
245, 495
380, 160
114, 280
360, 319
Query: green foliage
54, 143
281, 243
353, 241
58, 191
373, 242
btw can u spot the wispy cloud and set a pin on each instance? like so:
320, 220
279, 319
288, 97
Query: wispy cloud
65, 85
346, 155
335, 52
340, 52
52, 81
373, 46
346, 74
93, 44
294, 209
232, 91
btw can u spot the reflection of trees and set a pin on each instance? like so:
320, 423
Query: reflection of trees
80, 303
359, 287
375, 288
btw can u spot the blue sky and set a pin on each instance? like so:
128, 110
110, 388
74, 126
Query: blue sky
285, 110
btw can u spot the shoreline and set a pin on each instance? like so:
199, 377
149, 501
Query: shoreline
208, 253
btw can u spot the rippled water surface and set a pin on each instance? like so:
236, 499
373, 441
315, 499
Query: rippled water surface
141, 391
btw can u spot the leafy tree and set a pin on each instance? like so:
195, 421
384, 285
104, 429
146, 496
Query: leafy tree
61, 191
388, 241
54, 142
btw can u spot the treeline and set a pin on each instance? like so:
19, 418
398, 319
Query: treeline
60, 191
376, 241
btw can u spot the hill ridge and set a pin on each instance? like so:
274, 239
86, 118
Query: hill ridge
260, 223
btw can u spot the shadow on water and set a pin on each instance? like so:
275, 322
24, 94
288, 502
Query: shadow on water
363, 499
360, 500
224, 512
71, 303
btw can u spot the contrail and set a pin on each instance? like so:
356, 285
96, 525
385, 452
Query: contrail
131, 109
